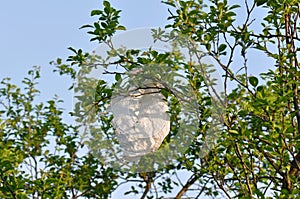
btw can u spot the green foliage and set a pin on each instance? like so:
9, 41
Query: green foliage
260, 2
40, 154
253, 81
107, 25
256, 155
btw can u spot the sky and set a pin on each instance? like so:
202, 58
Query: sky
35, 32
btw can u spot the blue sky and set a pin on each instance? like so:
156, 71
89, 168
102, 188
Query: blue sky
34, 32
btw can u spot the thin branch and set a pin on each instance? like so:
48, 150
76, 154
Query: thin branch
221, 186
269, 158
112, 72
231, 75
202, 190
189, 183
148, 179
269, 36
240, 156
178, 179
7, 185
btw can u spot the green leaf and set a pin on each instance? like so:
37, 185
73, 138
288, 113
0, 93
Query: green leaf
117, 76
233, 131
96, 12
97, 26
253, 81
260, 2
72, 49
106, 4
120, 28
86, 26
222, 47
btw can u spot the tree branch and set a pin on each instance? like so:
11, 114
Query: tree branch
189, 183
148, 179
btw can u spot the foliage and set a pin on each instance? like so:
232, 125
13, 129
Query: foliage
40, 153
256, 155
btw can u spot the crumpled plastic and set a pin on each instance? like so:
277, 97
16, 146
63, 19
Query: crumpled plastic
140, 120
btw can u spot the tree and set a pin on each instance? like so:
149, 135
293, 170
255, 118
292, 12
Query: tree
256, 155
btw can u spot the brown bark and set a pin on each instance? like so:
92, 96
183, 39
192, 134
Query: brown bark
293, 172
184, 189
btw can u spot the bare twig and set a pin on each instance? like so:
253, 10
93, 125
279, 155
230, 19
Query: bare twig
189, 183
148, 179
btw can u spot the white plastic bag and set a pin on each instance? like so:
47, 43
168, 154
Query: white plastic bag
141, 121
